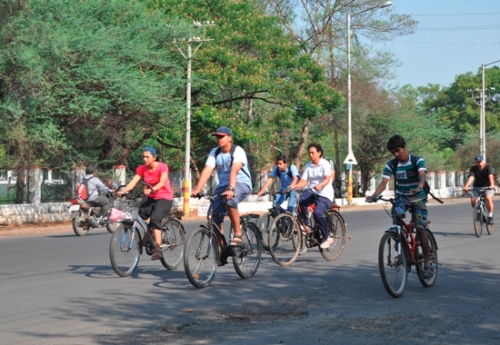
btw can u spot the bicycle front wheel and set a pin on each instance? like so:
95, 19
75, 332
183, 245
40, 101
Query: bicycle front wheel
428, 282
284, 239
392, 263
201, 257
336, 231
246, 259
478, 220
124, 250
172, 246
265, 222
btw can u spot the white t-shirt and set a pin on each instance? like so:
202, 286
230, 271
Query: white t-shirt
222, 163
315, 174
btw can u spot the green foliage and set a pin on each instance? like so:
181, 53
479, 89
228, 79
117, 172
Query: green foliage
86, 81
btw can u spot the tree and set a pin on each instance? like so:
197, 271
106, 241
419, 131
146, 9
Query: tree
85, 81
250, 75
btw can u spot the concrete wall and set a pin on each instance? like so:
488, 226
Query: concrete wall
443, 184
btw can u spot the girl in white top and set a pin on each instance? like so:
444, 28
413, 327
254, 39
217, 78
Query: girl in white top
317, 175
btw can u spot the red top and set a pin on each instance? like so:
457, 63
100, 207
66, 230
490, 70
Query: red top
153, 178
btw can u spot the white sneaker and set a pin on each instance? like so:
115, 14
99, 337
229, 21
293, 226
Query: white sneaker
327, 244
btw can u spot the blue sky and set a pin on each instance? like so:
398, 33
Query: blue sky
453, 37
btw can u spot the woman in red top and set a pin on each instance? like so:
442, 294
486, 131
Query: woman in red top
158, 201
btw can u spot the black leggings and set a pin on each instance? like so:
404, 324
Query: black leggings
155, 210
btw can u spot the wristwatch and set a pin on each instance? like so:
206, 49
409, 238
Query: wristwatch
231, 187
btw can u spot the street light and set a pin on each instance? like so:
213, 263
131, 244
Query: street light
189, 58
482, 120
350, 159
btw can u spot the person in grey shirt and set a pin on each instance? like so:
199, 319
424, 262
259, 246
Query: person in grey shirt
97, 191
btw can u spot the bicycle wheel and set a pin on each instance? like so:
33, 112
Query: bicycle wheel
173, 238
201, 257
246, 257
393, 266
434, 259
111, 227
124, 250
489, 227
478, 218
284, 239
265, 222
336, 230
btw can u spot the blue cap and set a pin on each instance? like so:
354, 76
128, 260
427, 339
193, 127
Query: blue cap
479, 158
150, 150
223, 131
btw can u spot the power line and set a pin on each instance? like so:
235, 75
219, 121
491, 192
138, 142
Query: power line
461, 28
456, 14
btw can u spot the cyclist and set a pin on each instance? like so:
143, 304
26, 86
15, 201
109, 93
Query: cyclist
483, 175
97, 192
158, 201
234, 180
410, 181
288, 175
318, 174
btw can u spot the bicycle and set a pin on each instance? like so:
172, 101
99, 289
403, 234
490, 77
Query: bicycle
206, 249
127, 243
400, 249
287, 231
266, 220
480, 213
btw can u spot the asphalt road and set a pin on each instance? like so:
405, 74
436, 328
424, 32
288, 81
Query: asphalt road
57, 288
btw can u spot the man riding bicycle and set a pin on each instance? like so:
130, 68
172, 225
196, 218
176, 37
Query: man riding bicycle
410, 181
483, 175
234, 180
288, 175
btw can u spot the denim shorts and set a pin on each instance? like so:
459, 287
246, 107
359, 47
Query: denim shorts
241, 191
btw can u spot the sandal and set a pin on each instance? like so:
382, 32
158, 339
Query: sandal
428, 272
157, 255
237, 240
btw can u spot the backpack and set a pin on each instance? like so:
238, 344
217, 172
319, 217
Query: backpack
289, 173
250, 161
82, 190
337, 183
394, 164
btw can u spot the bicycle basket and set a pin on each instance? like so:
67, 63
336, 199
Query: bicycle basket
124, 211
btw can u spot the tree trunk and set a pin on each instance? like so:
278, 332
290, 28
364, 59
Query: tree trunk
302, 142
20, 186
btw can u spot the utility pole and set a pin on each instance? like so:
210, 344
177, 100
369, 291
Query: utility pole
197, 41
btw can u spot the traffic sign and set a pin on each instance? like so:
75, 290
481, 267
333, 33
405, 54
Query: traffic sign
350, 159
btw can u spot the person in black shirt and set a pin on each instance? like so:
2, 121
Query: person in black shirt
483, 175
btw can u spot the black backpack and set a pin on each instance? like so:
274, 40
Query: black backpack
289, 173
250, 160
337, 183
427, 189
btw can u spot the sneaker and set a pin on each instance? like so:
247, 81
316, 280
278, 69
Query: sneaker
327, 244
490, 220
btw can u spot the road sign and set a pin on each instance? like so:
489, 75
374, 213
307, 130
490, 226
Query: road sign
350, 159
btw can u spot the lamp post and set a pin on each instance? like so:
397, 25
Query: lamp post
482, 120
350, 159
189, 57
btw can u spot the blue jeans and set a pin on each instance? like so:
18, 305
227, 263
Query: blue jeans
322, 205
292, 200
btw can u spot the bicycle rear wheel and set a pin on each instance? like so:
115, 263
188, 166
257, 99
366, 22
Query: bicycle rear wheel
246, 258
172, 246
284, 239
265, 222
392, 265
124, 250
478, 219
428, 282
201, 257
336, 231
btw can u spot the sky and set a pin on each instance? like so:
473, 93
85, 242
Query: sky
453, 37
